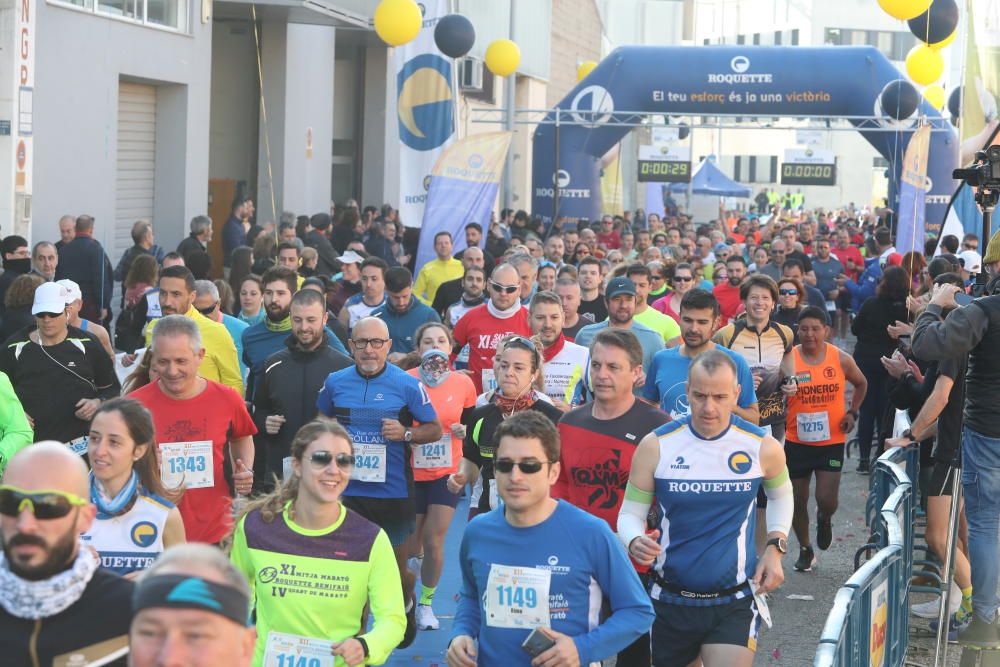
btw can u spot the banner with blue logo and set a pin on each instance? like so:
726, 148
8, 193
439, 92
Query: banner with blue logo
728, 79
912, 193
425, 103
463, 189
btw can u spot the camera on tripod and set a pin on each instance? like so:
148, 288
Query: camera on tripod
984, 177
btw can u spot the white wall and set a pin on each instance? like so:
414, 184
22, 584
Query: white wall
80, 58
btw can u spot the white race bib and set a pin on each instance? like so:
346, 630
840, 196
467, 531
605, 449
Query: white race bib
433, 454
187, 463
517, 597
286, 467
489, 380
369, 463
285, 650
830, 306
813, 426
79, 446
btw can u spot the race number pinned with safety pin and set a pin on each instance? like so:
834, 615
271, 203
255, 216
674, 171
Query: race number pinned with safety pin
79, 446
190, 464
369, 463
284, 650
433, 454
517, 597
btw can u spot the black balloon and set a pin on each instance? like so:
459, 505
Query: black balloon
937, 23
899, 99
454, 35
955, 101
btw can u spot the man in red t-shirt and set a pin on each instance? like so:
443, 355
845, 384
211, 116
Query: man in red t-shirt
195, 420
849, 255
483, 326
599, 439
607, 237
728, 293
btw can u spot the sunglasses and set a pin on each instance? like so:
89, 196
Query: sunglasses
683, 279
506, 289
44, 504
522, 341
208, 309
788, 292
529, 467
321, 460
362, 343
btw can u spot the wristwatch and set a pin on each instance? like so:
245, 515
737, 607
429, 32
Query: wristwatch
779, 543
909, 435
407, 435
853, 413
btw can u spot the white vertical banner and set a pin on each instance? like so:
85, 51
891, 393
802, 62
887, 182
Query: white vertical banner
425, 109
23, 121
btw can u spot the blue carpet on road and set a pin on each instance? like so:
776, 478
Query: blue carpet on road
428, 649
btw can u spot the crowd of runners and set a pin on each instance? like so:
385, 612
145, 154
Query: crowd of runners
262, 468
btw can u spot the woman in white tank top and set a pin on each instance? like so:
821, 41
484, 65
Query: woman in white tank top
136, 516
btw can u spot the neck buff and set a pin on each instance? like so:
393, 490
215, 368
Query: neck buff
434, 368
108, 507
32, 600
555, 348
503, 314
181, 591
280, 325
511, 405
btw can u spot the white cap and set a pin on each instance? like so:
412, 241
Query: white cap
351, 257
49, 298
972, 261
72, 290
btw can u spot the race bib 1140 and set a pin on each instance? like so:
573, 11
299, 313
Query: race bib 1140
284, 650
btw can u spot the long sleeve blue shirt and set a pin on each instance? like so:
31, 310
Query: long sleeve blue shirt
587, 565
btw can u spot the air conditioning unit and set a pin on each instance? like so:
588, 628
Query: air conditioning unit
470, 74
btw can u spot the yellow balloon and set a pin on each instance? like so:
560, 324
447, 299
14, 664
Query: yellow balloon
935, 96
502, 57
398, 21
924, 64
944, 42
904, 10
584, 69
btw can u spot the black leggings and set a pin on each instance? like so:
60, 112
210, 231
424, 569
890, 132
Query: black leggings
874, 404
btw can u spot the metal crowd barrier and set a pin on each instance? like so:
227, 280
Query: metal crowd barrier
869, 622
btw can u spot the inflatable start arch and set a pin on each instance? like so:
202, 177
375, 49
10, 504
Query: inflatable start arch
746, 80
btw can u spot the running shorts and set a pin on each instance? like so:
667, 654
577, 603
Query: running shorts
679, 631
434, 492
395, 516
802, 460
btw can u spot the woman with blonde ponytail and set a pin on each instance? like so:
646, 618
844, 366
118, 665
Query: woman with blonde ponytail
314, 565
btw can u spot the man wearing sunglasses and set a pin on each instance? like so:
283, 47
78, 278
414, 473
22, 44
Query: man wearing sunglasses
208, 303
385, 410
484, 326
534, 564
55, 599
59, 373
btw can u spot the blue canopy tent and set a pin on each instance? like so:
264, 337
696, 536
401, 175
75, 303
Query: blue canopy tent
708, 179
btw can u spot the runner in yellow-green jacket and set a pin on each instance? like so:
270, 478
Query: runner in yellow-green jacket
313, 564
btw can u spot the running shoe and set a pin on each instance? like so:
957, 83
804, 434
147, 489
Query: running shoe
864, 467
954, 626
980, 634
426, 620
807, 558
411, 625
930, 608
824, 532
